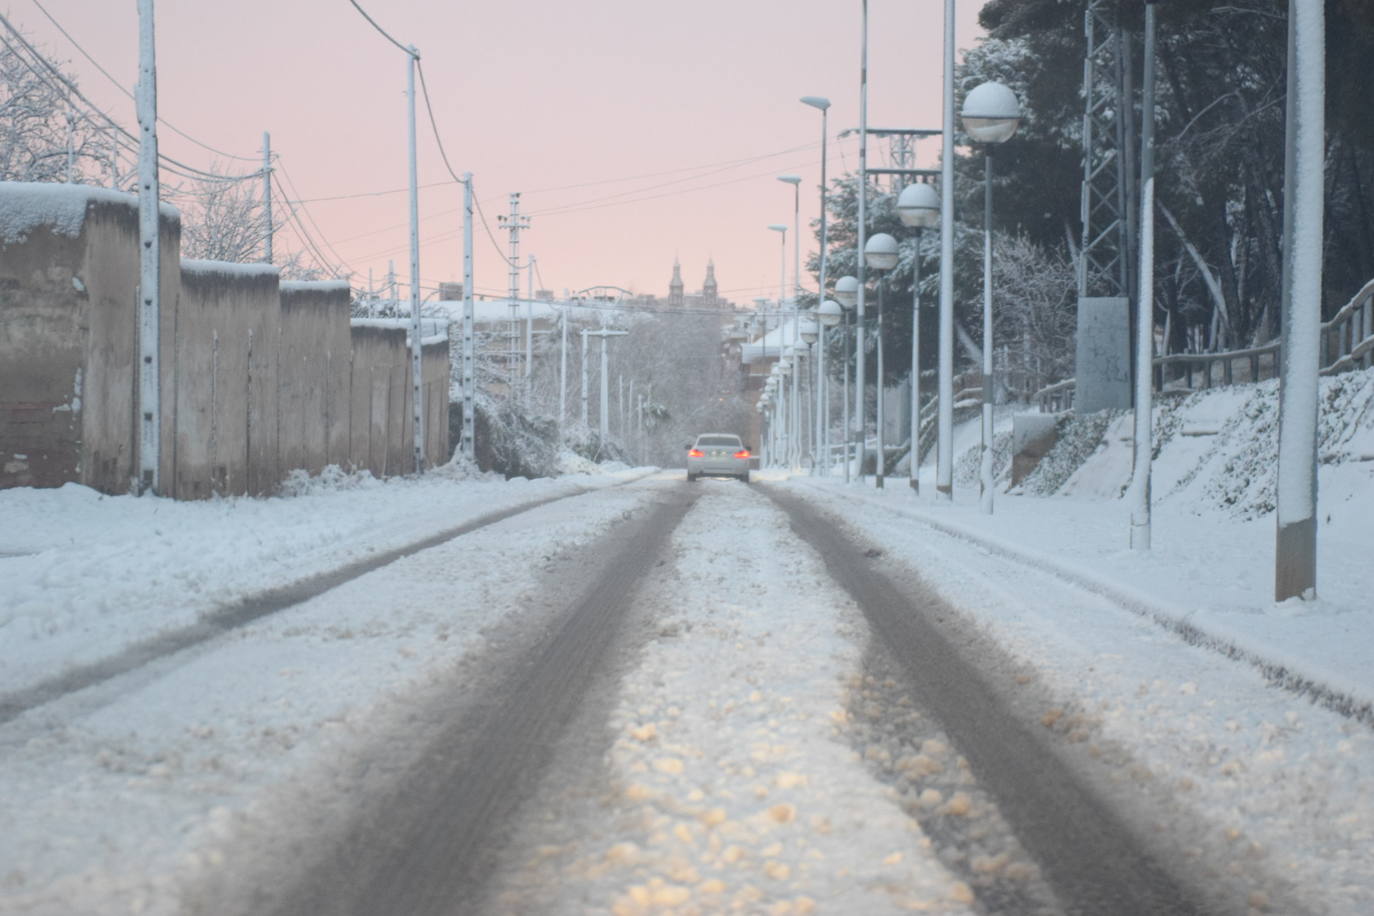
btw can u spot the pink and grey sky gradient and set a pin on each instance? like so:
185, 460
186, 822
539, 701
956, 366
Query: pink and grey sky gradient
636, 130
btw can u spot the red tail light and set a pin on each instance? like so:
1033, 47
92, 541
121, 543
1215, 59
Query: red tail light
695, 453
742, 453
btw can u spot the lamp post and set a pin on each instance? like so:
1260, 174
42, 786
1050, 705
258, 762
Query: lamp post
828, 315
880, 252
847, 294
862, 230
944, 467
781, 230
918, 207
822, 434
1139, 493
797, 437
991, 115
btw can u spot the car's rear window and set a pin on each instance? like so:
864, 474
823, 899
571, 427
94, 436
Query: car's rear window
732, 441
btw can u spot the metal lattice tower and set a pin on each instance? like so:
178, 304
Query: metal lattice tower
1104, 266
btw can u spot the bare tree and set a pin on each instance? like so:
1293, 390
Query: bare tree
38, 125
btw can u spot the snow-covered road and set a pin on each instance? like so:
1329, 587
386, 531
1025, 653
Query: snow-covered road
746, 746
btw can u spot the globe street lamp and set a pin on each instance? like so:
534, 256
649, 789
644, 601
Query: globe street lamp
847, 293
991, 115
918, 207
828, 314
880, 253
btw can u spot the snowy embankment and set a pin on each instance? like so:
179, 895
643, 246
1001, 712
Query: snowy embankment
128, 795
1053, 581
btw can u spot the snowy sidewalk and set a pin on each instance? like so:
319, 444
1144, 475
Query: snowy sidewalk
1208, 578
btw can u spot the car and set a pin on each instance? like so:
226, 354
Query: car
718, 455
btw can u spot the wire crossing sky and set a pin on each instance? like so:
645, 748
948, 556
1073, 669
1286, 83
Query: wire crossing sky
634, 132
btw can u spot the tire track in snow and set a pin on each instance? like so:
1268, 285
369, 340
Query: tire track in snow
233, 616
1093, 860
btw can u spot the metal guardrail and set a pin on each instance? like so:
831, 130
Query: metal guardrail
1347, 342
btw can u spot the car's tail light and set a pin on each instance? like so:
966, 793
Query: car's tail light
742, 453
695, 453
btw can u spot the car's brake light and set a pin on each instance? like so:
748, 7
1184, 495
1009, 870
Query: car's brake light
742, 453
695, 453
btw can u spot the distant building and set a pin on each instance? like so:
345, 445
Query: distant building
709, 297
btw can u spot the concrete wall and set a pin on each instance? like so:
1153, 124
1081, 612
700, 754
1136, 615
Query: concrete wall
258, 377
226, 396
69, 278
378, 400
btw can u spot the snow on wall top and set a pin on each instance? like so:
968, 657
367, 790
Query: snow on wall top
318, 286
26, 205
229, 268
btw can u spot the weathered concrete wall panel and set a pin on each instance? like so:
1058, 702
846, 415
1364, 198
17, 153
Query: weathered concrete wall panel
435, 362
224, 312
69, 278
323, 308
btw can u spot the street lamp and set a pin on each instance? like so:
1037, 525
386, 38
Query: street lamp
795, 406
782, 297
822, 105
847, 292
918, 207
880, 253
991, 115
828, 314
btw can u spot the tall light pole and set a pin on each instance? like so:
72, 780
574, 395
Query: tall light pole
1139, 495
828, 315
847, 293
918, 206
1295, 560
781, 230
881, 254
944, 467
797, 436
991, 115
859, 411
822, 433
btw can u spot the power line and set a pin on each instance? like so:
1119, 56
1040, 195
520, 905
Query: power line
67, 88
120, 86
308, 215
411, 51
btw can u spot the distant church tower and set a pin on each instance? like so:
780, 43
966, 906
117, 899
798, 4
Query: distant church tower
708, 289
676, 299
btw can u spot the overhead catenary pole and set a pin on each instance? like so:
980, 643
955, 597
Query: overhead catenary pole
267, 198
513, 224
417, 389
1295, 560
469, 348
944, 470
150, 261
1142, 445
563, 368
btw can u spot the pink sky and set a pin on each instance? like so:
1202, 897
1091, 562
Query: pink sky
532, 97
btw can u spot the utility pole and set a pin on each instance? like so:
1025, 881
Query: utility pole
513, 224
417, 389
1142, 450
529, 319
563, 368
859, 369
585, 332
150, 260
267, 201
469, 381
605, 418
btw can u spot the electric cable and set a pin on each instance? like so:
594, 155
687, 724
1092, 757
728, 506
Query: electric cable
411, 51
120, 86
